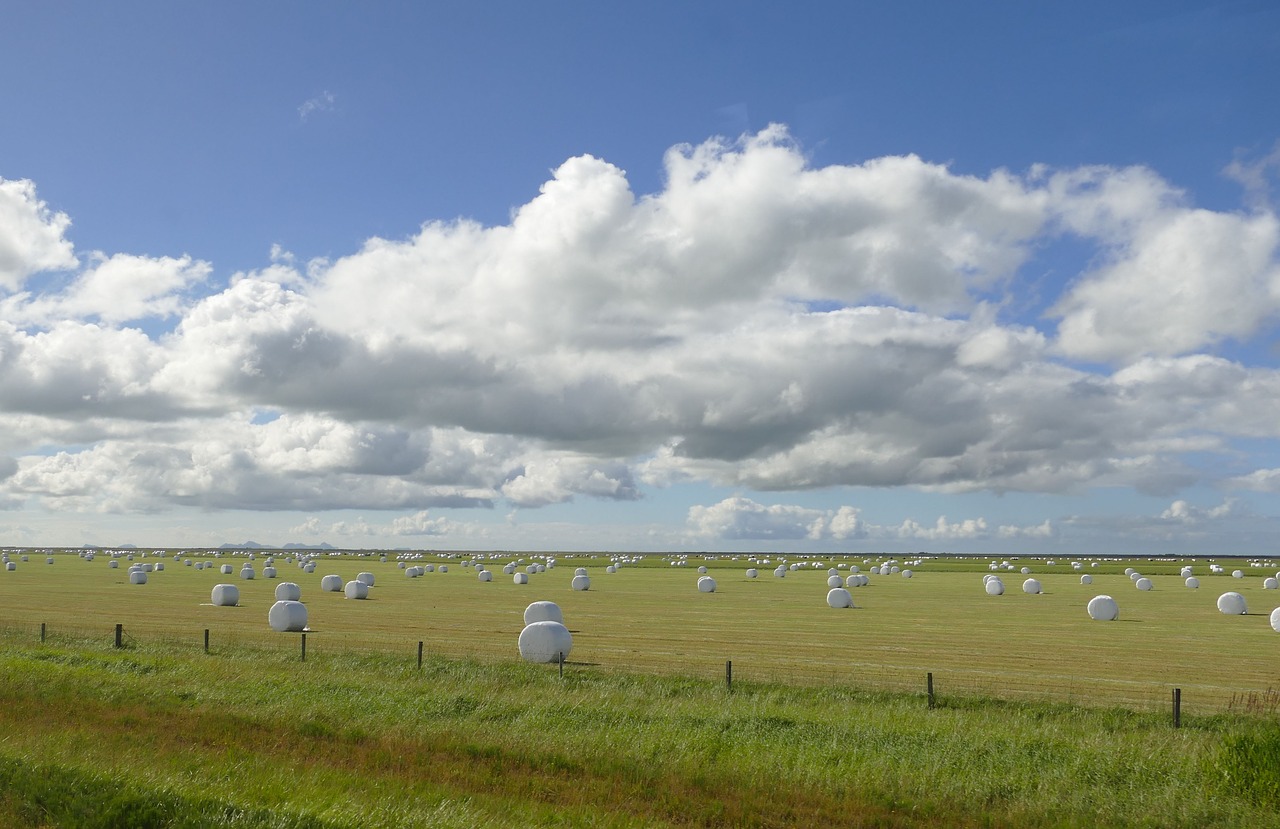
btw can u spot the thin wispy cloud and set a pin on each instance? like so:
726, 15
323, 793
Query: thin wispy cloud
320, 103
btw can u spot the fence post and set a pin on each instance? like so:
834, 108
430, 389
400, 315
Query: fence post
933, 701
119, 635
206, 640
728, 675
561, 659
1177, 707
304, 647
419, 655
42, 632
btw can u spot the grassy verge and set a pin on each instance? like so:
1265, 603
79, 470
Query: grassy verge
158, 736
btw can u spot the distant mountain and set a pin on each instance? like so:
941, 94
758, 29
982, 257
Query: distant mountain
253, 545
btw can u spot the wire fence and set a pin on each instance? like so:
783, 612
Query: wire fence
417, 649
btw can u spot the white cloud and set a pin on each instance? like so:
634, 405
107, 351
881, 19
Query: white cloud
31, 236
320, 103
944, 530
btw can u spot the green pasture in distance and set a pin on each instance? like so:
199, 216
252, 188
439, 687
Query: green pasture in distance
650, 617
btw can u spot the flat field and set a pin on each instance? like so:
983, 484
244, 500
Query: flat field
1043, 718
649, 617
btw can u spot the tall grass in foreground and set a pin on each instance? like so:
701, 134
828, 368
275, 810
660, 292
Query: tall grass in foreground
159, 736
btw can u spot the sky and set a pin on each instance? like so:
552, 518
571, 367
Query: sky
997, 278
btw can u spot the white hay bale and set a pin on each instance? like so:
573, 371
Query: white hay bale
995, 587
246, 572
444, 568
1134, 576
331, 583
225, 595
287, 616
508, 569
268, 572
706, 584
428, 568
287, 591
1026, 571
1031, 586
1237, 574
356, 589
227, 569
1232, 604
1086, 579
703, 569
543, 611
411, 572
1192, 582
1143, 584
835, 581
581, 571
136, 577
520, 578
1275, 620
780, 572
611, 569
1270, 583
752, 573
838, 597
545, 641
581, 583
1103, 609
401, 565
9, 565
1186, 571
1129, 571
484, 575
112, 564
309, 567
906, 574
367, 578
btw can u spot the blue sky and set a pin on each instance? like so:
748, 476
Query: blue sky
835, 276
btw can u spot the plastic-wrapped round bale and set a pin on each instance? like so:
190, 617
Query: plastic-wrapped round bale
1086, 579
287, 616
1192, 582
356, 589
331, 583
995, 587
1103, 609
835, 581
706, 584
1143, 583
287, 591
838, 597
545, 642
1232, 604
225, 595
581, 583
1031, 586
1275, 620
367, 578
543, 611
484, 575
752, 573
520, 578
137, 577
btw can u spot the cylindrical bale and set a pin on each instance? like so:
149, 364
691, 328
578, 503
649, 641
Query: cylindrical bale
706, 584
367, 578
545, 642
1143, 583
1275, 620
581, 583
287, 591
428, 568
331, 583
543, 611
581, 571
1086, 579
401, 565
1237, 574
137, 577
780, 571
227, 569
113, 564
508, 569
246, 572
148, 567
268, 572
225, 595
356, 589
1103, 609
906, 574
520, 578
838, 597
1031, 586
9, 565
287, 616
1232, 604
1186, 571
835, 581
702, 569
995, 587
611, 569
1192, 582
484, 575
1026, 571
1270, 583
753, 573
309, 567
444, 568
411, 572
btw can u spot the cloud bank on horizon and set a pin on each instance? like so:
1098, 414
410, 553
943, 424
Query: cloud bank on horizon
760, 325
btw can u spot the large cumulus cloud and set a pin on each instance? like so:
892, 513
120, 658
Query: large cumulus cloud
758, 323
